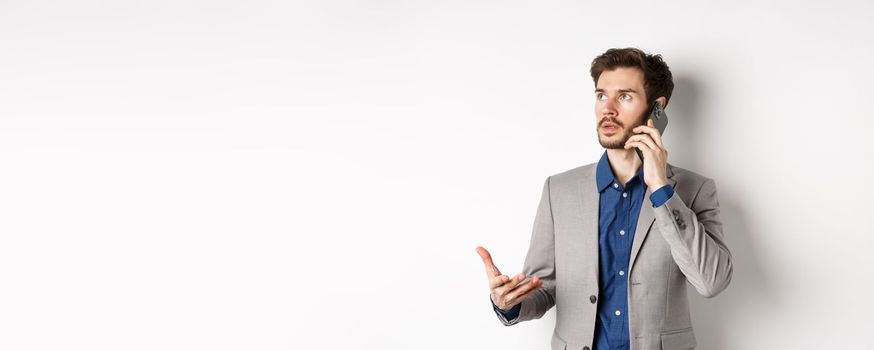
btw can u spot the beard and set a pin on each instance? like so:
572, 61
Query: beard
618, 139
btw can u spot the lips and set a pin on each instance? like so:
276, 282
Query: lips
609, 127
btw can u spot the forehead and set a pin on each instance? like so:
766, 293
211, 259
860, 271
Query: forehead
621, 78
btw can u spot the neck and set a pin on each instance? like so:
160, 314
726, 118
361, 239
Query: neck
624, 163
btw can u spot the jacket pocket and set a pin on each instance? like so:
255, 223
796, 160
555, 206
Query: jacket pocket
680, 339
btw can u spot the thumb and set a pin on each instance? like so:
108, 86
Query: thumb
491, 269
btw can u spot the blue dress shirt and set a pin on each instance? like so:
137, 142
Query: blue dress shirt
617, 221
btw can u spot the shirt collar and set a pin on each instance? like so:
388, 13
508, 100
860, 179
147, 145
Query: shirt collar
604, 175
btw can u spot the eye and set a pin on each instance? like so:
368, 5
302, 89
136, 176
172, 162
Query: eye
623, 97
599, 96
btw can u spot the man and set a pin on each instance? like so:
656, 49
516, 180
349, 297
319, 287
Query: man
615, 242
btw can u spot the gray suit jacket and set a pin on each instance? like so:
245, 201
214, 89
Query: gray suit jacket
679, 241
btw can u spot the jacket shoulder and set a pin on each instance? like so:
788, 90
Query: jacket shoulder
683, 175
573, 175
689, 183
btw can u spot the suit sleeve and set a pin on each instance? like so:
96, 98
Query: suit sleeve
540, 262
696, 239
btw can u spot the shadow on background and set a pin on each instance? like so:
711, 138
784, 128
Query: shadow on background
712, 318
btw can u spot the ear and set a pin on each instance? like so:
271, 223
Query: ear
662, 101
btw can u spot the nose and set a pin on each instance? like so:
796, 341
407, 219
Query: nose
608, 108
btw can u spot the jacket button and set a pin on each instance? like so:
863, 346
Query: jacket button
593, 299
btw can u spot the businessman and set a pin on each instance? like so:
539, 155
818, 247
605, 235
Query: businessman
616, 241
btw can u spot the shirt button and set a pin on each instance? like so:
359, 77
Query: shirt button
615, 185
593, 299
624, 194
622, 232
618, 313
621, 273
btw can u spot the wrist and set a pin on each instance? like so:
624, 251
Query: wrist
657, 186
510, 310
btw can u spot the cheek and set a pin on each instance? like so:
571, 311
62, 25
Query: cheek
630, 106
633, 113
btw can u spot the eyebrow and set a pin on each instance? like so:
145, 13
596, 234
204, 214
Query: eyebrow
620, 90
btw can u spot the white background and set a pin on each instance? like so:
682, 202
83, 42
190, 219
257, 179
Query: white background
303, 175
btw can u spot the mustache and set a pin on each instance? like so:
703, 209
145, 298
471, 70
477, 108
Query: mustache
612, 120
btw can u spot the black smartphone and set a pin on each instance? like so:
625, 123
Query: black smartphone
659, 119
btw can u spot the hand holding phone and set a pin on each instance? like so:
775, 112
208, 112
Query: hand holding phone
659, 119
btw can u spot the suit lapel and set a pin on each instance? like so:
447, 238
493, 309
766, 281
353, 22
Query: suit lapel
589, 204
645, 220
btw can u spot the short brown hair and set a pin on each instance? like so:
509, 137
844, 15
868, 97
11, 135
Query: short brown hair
656, 74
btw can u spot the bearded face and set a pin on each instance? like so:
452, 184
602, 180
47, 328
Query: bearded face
620, 105
613, 133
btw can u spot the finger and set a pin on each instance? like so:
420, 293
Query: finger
650, 130
636, 139
497, 281
640, 145
645, 138
507, 287
517, 299
491, 269
523, 288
